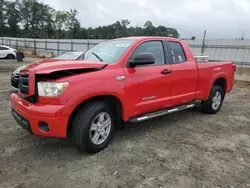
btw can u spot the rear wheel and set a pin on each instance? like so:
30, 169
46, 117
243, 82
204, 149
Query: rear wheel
93, 127
214, 102
10, 56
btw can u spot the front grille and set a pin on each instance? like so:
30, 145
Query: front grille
24, 84
15, 80
32, 99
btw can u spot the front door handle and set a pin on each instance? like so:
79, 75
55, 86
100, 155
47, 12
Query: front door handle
166, 71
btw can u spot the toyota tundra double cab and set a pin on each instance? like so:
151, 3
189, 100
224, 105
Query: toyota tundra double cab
122, 80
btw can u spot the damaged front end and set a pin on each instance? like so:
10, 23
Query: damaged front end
34, 83
64, 73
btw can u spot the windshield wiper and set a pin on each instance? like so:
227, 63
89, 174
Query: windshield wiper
97, 56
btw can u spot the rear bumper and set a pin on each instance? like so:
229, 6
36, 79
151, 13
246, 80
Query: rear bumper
29, 116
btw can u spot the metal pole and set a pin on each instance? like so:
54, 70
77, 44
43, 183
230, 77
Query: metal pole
34, 46
2, 40
243, 58
72, 44
58, 46
17, 44
88, 41
203, 43
46, 45
25, 44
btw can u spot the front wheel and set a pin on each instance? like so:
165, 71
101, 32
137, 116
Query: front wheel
93, 127
214, 102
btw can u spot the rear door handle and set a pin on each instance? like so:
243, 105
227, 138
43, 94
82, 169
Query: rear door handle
166, 71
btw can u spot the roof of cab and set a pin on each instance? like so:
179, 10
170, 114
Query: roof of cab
139, 38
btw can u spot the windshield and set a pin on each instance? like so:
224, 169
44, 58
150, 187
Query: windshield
69, 56
109, 52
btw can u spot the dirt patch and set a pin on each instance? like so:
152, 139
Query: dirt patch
186, 149
11, 65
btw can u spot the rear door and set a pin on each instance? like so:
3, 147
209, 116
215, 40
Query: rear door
184, 76
149, 86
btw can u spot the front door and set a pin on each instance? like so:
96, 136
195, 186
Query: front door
148, 86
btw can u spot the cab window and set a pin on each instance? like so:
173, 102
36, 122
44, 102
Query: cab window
154, 47
177, 52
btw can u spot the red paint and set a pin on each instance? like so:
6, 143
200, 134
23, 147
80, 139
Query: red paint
188, 81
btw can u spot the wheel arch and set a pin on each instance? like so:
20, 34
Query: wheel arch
220, 80
114, 103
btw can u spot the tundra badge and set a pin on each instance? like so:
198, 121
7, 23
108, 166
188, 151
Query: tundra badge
120, 78
148, 98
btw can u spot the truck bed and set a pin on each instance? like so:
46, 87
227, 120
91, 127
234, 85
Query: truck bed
208, 70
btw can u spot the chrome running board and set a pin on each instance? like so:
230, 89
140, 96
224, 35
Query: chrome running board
158, 113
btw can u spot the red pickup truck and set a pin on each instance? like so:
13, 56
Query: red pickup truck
122, 80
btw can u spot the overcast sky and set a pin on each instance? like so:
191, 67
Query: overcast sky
221, 18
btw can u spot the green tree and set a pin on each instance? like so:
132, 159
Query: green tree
26, 13
45, 23
49, 13
73, 24
150, 30
32, 18
61, 18
2, 17
138, 31
13, 17
124, 24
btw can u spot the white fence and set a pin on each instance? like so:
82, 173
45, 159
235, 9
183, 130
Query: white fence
237, 51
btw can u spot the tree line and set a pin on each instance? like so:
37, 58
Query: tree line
33, 19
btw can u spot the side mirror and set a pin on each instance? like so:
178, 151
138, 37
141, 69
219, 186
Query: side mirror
142, 59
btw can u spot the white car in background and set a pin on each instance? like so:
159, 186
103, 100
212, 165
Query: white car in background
7, 52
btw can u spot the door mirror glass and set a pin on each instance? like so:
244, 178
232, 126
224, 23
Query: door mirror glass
142, 59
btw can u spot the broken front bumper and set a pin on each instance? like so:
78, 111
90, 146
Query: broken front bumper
34, 117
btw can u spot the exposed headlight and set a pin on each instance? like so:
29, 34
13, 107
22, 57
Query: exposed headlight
51, 89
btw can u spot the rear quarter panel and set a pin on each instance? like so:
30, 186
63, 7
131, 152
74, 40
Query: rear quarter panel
209, 72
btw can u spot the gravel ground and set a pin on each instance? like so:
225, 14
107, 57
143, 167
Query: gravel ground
9, 65
186, 149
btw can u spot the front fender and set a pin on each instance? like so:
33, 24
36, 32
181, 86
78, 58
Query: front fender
82, 96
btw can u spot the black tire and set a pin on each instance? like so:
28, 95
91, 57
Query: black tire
82, 124
206, 106
10, 56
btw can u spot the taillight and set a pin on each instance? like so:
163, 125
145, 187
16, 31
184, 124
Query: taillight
234, 67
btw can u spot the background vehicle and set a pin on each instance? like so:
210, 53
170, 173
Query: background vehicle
123, 80
7, 52
70, 56
64, 56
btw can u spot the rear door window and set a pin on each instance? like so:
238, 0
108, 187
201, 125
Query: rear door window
177, 52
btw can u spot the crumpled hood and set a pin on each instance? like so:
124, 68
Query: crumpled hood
40, 62
52, 65
34, 64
